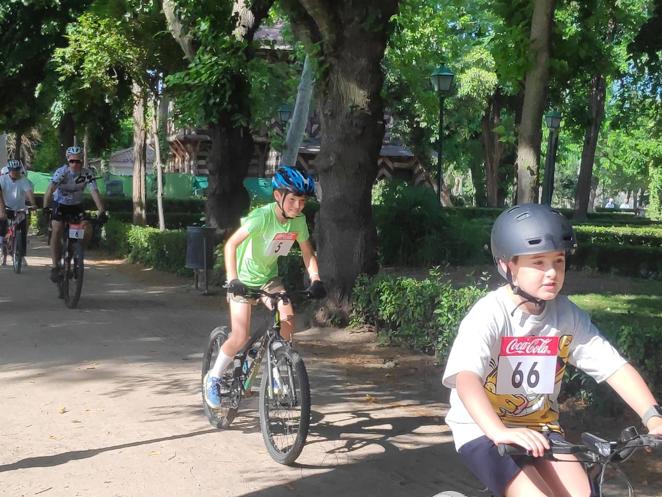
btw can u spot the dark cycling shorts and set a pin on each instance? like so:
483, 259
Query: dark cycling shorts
63, 212
481, 456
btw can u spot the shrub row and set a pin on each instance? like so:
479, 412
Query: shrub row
166, 251
421, 314
163, 250
648, 236
624, 260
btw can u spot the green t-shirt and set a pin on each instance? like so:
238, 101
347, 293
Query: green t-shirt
257, 255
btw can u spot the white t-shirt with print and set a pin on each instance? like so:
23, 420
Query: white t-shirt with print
13, 191
70, 186
521, 359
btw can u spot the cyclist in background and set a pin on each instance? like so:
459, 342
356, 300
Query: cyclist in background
16, 188
66, 189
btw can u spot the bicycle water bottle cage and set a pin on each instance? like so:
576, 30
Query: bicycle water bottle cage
597, 444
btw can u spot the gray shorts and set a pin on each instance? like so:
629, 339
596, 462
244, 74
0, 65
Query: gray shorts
273, 286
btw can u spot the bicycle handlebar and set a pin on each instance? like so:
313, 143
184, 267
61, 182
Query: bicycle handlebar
594, 448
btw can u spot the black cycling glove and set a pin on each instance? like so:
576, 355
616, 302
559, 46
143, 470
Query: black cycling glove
317, 290
236, 287
103, 217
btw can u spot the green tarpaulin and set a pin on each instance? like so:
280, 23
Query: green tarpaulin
175, 186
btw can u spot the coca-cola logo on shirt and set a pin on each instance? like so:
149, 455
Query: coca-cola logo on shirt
529, 346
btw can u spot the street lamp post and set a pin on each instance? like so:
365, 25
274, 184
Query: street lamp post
284, 114
442, 81
553, 121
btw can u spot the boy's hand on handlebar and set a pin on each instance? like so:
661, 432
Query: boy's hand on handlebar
534, 442
236, 287
317, 290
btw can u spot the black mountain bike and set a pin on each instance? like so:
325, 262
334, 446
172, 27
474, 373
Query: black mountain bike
13, 241
595, 453
72, 261
284, 401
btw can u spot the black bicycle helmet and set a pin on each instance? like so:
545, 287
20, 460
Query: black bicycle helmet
530, 229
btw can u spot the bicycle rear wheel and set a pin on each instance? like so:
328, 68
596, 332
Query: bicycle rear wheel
285, 406
225, 414
17, 250
73, 275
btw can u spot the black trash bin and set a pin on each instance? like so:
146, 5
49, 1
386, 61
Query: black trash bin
200, 251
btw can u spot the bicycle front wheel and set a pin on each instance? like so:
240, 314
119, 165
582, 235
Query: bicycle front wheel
285, 406
17, 251
225, 414
73, 275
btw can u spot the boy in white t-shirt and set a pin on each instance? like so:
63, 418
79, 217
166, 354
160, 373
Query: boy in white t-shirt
507, 363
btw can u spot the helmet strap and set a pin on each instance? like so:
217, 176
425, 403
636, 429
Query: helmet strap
526, 296
280, 206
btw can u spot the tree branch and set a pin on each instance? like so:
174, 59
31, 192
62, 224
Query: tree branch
326, 19
177, 30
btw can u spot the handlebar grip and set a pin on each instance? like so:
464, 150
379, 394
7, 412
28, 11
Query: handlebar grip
511, 450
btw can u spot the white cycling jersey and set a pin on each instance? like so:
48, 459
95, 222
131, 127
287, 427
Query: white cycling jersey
70, 186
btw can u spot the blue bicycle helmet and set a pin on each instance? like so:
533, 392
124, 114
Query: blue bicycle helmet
293, 180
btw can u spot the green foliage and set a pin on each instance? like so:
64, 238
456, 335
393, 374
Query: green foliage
414, 230
422, 314
163, 250
630, 323
625, 260
626, 235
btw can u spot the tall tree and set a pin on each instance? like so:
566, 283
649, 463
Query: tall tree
351, 37
535, 84
215, 89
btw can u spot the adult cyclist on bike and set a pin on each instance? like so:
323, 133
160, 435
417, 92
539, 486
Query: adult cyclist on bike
66, 188
15, 188
251, 260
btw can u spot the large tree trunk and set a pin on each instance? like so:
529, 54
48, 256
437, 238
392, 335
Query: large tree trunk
596, 111
493, 147
353, 37
530, 128
139, 155
228, 161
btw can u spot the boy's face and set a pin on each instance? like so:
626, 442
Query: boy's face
540, 275
292, 205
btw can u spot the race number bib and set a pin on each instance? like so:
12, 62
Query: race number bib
527, 365
281, 244
76, 231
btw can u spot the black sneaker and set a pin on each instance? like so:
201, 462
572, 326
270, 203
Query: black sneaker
55, 274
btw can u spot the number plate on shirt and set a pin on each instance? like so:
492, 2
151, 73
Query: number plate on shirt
527, 365
76, 231
281, 244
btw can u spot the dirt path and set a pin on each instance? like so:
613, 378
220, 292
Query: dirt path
104, 401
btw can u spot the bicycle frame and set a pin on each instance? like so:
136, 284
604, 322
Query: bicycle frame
271, 335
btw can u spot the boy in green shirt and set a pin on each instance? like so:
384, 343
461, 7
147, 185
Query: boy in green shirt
251, 260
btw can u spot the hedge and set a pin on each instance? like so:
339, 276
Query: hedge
163, 250
166, 251
421, 314
648, 236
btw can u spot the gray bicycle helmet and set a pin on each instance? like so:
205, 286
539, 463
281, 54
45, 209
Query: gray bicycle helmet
530, 229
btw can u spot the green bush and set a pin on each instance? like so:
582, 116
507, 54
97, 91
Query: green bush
413, 229
648, 236
624, 260
421, 314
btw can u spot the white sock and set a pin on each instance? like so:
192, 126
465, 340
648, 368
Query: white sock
221, 364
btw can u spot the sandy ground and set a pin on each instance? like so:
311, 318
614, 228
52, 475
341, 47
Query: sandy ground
104, 400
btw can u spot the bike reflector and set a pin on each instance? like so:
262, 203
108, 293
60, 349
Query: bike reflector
76, 231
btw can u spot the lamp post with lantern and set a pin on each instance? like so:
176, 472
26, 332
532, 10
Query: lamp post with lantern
442, 81
553, 122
